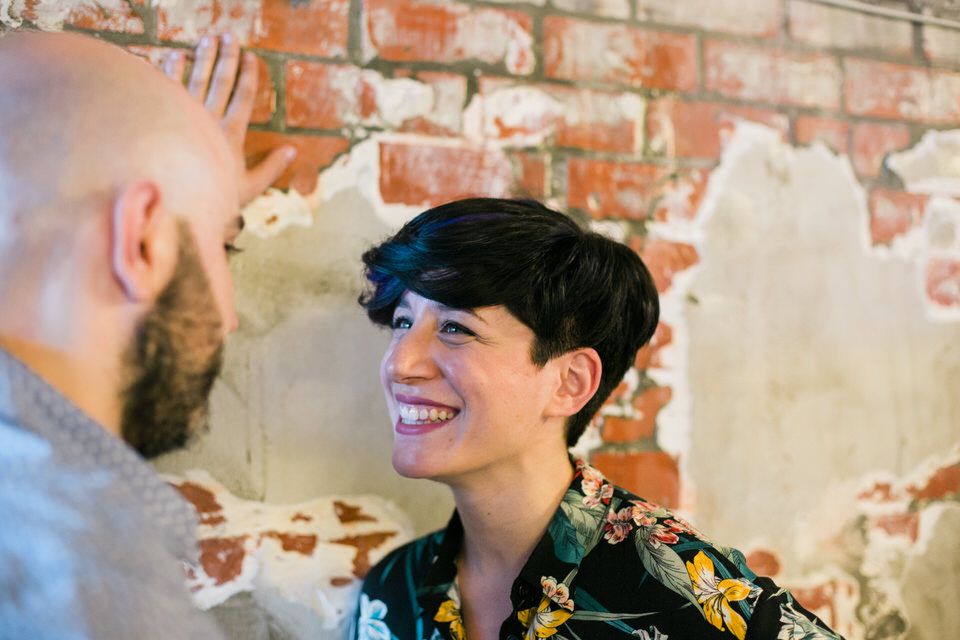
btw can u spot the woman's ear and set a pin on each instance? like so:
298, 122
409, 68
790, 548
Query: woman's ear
580, 372
143, 241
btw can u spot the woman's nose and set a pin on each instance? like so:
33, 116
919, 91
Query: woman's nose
409, 357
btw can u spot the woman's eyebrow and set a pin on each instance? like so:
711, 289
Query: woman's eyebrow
468, 311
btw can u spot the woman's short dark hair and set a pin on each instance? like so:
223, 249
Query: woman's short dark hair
572, 287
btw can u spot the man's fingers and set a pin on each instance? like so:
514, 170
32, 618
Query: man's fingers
224, 73
202, 65
173, 66
258, 178
237, 116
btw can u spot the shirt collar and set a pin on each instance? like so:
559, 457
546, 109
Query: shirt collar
576, 527
78, 442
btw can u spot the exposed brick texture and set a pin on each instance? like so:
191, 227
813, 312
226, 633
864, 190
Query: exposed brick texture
406, 30
649, 354
105, 15
653, 475
893, 214
310, 28
771, 76
681, 129
427, 176
896, 91
872, 142
943, 282
634, 191
313, 154
759, 18
832, 27
832, 133
580, 50
665, 259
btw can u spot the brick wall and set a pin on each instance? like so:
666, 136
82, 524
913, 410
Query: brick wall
616, 111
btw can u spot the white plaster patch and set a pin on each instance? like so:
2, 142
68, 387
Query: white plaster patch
397, 99
314, 570
240, 17
360, 170
523, 116
275, 211
51, 14
932, 166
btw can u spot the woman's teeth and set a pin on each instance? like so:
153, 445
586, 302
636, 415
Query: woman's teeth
413, 415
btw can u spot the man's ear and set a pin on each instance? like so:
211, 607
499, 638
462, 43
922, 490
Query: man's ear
143, 241
580, 372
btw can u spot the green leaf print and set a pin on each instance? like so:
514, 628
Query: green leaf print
665, 565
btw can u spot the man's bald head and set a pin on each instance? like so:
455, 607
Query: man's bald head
79, 118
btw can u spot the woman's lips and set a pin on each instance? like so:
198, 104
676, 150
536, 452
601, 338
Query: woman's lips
418, 428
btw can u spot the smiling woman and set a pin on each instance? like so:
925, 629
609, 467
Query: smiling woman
510, 327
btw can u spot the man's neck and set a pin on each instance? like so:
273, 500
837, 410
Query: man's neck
92, 390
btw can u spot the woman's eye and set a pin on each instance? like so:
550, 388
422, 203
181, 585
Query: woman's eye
400, 322
455, 329
231, 249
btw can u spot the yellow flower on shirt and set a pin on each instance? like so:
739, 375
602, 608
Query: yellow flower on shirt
449, 612
542, 622
716, 595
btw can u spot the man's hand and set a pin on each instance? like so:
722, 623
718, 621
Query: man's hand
211, 82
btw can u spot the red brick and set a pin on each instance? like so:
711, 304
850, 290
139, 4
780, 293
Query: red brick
944, 483
648, 404
653, 475
308, 28
902, 92
664, 259
617, 429
649, 355
832, 133
879, 492
766, 75
104, 15
943, 282
634, 191
893, 213
314, 97
872, 142
315, 27
313, 154
764, 562
840, 28
422, 175
897, 524
581, 50
681, 129
530, 171
405, 30
821, 599
760, 18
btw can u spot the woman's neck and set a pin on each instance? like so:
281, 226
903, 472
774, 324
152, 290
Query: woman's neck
505, 514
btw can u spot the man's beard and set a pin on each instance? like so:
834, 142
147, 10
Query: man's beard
173, 360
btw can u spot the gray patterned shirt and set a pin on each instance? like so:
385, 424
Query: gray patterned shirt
91, 538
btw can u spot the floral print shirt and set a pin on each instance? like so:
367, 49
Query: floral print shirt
610, 565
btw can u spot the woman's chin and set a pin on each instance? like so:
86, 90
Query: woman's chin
411, 464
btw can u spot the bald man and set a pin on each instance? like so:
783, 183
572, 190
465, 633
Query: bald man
119, 206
